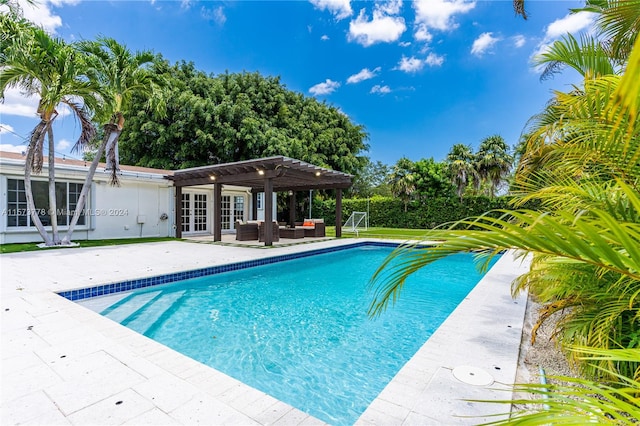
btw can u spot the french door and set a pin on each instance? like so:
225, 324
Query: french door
232, 210
195, 213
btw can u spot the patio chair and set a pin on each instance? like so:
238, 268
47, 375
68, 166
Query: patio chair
246, 231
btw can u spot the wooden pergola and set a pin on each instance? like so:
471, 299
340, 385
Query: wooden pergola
268, 175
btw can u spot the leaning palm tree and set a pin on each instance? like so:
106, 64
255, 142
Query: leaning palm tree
51, 69
119, 74
461, 165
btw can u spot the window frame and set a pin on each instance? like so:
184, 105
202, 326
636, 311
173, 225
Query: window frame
17, 203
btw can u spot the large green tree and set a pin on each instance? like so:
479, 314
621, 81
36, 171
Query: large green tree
371, 180
431, 178
237, 116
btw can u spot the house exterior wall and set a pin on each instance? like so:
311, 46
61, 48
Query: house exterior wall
142, 206
113, 212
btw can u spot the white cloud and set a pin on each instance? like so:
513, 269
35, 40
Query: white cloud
381, 29
434, 60
40, 14
324, 37
363, 75
329, 86
391, 7
380, 89
185, 4
439, 14
216, 15
421, 33
404, 43
63, 145
340, 8
483, 43
571, 23
410, 65
13, 148
413, 64
17, 104
518, 40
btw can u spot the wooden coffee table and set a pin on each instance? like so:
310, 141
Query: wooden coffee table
292, 233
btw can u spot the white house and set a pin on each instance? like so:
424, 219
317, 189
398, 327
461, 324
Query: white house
142, 206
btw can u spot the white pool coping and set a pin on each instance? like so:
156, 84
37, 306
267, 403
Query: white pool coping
64, 364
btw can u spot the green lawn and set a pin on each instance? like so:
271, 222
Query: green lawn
15, 248
389, 233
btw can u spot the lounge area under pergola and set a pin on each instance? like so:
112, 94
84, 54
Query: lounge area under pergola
268, 175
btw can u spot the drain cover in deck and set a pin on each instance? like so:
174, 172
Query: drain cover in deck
472, 375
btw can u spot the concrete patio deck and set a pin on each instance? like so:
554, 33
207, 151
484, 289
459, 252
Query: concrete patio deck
64, 364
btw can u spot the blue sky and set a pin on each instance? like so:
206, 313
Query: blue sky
419, 76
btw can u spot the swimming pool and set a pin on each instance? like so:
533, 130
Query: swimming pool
307, 340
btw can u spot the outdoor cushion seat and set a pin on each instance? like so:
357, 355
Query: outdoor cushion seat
313, 228
246, 231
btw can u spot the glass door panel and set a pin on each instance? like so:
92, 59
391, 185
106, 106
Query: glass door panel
226, 212
200, 223
186, 212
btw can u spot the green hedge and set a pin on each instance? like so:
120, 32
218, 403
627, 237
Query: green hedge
389, 212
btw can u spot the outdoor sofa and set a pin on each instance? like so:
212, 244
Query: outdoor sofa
312, 227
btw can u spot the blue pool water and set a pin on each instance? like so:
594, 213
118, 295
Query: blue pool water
298, 330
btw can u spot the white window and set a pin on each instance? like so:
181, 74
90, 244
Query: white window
67, 194
260, 201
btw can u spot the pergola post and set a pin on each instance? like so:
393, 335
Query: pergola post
217, 212
268, 212
338, 212
292, 208
178, 215
254, 205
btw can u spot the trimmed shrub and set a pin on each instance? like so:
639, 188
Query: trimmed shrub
388, 212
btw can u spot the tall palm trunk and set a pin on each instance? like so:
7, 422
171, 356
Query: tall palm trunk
111, 134
53, 202
32, 153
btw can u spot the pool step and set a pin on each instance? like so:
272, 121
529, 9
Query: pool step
128, 306
146, 317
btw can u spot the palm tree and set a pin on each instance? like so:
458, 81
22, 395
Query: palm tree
493, 161
461, 166
119, 74
587, 57
48, 67
402, 181
586, 244
618, 26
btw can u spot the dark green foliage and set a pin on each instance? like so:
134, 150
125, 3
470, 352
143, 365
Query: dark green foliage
234, 117
426, 213
371, 180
